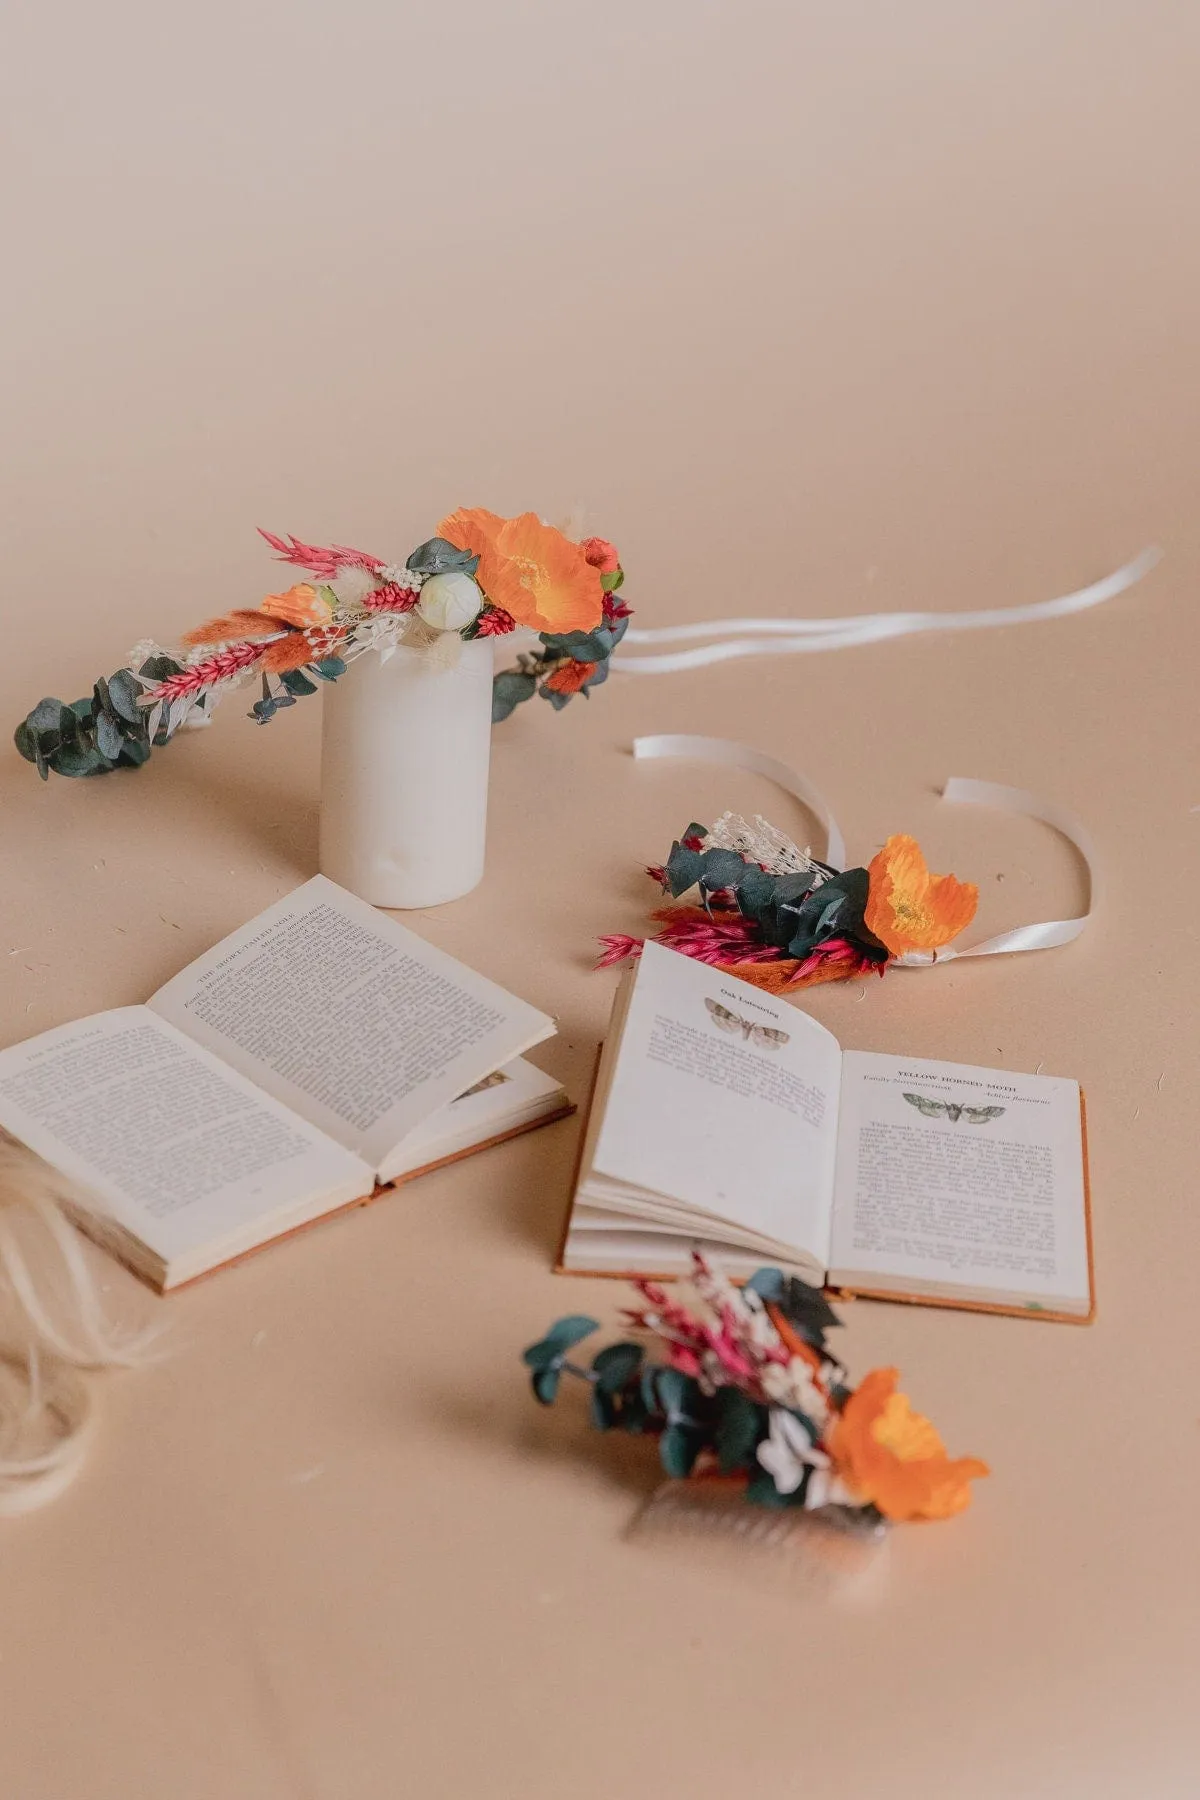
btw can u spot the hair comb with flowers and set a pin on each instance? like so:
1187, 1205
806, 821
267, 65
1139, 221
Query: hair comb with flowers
750, 1392
481, 576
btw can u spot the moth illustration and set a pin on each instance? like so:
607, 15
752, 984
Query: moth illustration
765, 1036
952, 1110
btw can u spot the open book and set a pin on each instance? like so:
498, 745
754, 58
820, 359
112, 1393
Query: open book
726, 1119
318, 1053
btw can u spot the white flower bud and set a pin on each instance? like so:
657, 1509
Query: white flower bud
449, 602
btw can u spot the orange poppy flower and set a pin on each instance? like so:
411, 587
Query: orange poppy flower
889, 1455
536, 574
571, 677
910, 909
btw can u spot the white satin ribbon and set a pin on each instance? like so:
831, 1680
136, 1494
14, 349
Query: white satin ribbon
791, 637
1048, 932
1041, 936
741, 756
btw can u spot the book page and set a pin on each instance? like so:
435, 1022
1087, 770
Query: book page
175, 1146
956, 1177
351, 1020
725, 1098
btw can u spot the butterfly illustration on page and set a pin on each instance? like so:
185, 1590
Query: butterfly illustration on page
952, 1110
765, 1036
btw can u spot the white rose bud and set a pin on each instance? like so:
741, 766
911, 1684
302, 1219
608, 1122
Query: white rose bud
450, 602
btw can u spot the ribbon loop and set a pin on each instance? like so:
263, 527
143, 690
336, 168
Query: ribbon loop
1049, 932
740, 756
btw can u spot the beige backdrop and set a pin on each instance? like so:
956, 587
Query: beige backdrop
813, 308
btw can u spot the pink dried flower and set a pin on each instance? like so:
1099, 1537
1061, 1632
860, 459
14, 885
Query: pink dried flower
391, 597
836, 953
618, 949
712, 937
205, 674
494, 622
321, 562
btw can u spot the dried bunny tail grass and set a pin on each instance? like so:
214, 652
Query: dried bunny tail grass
54, 1324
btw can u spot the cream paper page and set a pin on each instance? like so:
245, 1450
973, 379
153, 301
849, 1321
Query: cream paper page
725, 1098
975, 1182
175, 1146
351, 1020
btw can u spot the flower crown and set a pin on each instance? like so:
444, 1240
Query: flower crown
775, 916
750, 1389
481, 576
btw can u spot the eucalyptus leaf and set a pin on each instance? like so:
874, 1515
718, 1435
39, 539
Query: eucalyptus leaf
615, 1365
123, 693
297, 682
437, 556
741, 1424
77, 760
683, 869
721, 869
108, 737
159, 668
678, 1449
761, 1491
582, 646
329, 668
509, 689
603, 1409
767, 1283
50, 716
562, 1336
545, 1384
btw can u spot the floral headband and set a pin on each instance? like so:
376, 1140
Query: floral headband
749, 1390
481, 576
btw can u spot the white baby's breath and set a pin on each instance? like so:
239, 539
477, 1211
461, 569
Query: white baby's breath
399, 576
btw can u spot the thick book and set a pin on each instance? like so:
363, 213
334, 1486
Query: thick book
317, 1055
727, 1120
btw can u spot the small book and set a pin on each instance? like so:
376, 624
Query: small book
315, 1056
727, 1120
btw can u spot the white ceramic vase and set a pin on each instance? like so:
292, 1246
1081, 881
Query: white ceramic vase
405, 749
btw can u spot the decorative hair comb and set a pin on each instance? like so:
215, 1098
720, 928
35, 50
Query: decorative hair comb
748, 1395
